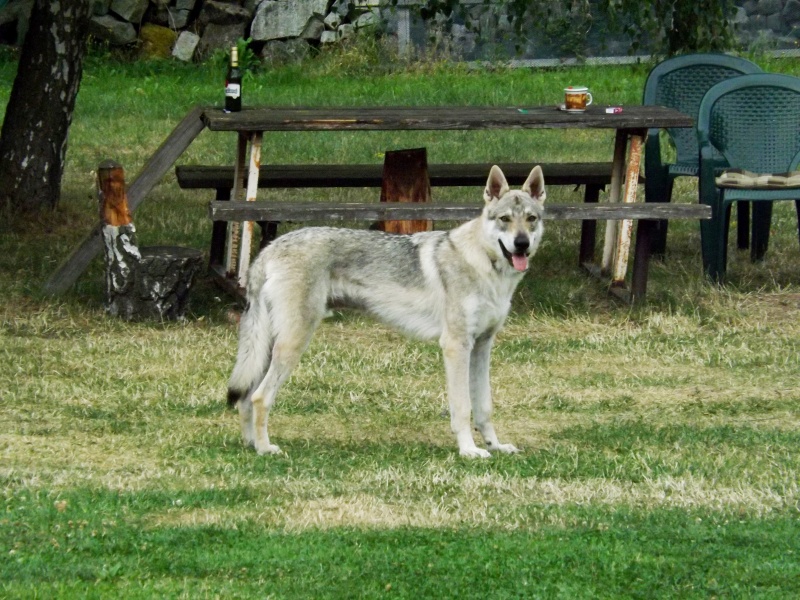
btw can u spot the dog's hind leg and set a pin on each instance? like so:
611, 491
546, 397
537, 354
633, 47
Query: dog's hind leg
256, 339
481, 395
245, 406
294, 324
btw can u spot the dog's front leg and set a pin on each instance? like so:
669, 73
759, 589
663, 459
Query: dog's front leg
456, 352
481, 394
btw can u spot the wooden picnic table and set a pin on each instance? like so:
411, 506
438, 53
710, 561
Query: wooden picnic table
630, 127
629, 124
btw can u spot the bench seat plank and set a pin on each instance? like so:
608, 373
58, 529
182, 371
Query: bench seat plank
370, 175
223, 210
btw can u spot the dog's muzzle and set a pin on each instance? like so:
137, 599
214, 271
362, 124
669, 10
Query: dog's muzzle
519, 258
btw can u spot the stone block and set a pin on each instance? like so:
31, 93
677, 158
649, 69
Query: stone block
345, 31
776, 23
368, 19
283, 52
328, 37
769, 7
185, 46
341, 8
157, 41
129, 10
221, 13
217, 37
740, 18
180, 18
791, 12
332, 21
280, 20
313, 30
100, 7
112, 30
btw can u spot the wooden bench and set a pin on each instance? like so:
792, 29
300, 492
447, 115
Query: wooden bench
647, 216
594, 176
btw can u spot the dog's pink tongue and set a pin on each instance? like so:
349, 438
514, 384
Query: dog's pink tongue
520, 261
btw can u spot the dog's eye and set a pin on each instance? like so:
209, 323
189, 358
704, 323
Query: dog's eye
532, 218
505, 219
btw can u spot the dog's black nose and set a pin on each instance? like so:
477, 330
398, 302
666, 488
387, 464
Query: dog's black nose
522, 243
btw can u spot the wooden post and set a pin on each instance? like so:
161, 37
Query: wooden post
144, 283
405, 179
122, 254
111, 191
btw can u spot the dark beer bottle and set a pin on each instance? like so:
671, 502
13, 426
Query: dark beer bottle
233, 84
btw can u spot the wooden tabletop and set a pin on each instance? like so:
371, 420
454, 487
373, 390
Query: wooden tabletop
372, 118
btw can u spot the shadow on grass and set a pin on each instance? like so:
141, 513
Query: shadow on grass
95, 547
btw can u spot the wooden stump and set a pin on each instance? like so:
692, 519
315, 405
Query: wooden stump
141, 283
405, 179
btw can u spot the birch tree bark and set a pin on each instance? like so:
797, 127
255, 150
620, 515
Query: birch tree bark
33, 139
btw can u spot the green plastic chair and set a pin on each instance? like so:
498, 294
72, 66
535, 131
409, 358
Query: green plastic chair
680, 83
750, 123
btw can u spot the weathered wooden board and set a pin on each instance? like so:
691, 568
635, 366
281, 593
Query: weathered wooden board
324, 211
370, 175
406, 118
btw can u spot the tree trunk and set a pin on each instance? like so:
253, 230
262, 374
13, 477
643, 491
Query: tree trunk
33, 139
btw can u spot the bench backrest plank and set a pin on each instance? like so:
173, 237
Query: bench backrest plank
369, 175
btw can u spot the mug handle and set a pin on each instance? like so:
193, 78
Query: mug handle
588, 98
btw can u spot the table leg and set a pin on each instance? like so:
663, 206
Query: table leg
219, 234
589, 228
252, 191
614, 195
623, 244
645, 232
234, 228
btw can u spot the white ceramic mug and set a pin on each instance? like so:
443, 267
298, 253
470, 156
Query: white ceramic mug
576, 98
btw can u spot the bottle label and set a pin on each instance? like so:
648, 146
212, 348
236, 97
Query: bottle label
233, 90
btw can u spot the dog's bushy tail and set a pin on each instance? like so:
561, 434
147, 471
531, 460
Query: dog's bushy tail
255, 349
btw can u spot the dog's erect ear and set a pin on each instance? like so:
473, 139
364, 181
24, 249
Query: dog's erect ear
534, 185
496, 185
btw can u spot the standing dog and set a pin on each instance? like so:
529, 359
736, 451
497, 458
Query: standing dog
452, 285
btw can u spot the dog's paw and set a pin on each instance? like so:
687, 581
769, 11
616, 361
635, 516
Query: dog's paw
475, 452
504, 448
268, 449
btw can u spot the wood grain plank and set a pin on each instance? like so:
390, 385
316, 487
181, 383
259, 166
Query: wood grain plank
323, 211
388, 118
370, 175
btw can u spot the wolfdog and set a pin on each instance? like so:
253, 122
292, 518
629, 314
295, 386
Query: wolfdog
452, 285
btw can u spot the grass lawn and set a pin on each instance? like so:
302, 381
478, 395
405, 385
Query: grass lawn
661, 444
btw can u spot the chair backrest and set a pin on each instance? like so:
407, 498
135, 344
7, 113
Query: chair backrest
753, 121
682, 81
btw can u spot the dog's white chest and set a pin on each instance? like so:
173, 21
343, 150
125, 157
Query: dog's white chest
485, 312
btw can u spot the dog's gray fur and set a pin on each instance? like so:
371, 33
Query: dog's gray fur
452, 285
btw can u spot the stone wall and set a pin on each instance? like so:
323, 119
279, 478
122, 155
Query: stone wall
285, 30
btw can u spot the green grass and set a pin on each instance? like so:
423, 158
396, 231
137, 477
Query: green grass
660, 448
